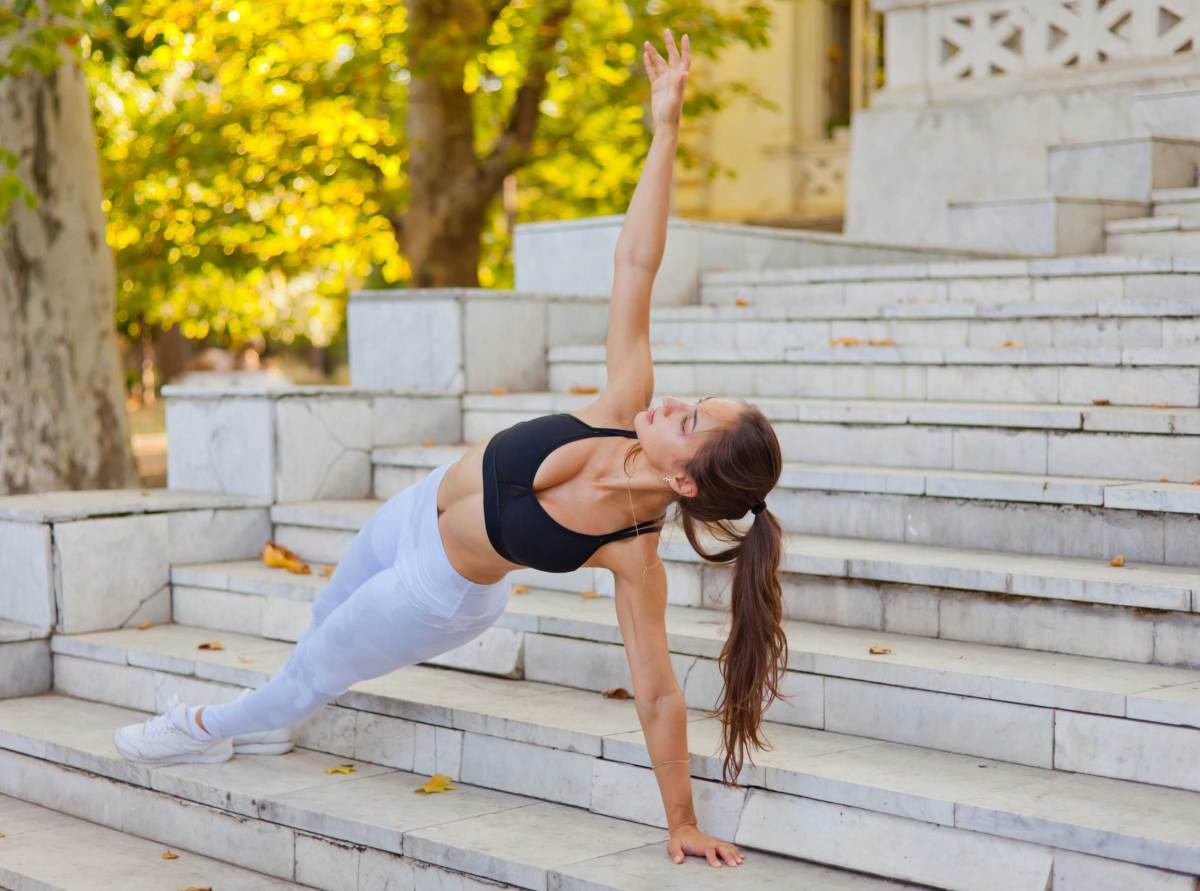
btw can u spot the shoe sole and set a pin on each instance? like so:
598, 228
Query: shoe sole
208, 756
263, 748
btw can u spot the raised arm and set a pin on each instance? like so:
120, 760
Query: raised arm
643, 237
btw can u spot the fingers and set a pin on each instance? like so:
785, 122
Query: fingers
686, 50
654, 62
711, 854
675, 849
731, 855
672, 53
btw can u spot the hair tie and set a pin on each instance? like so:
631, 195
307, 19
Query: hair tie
758, 508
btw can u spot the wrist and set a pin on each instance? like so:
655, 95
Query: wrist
671, 830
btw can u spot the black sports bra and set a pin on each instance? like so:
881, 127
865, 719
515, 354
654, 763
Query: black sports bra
517, 525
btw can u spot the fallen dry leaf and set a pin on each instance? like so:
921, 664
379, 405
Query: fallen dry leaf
325, 569
499, 391
844, 341
439, 782
1160, 405
341, 768
1195, 482
245, 660
616, 693
882, 341
1, 835
519, 589
198, 888
211, 645
579, 388
588, 595
426, 442
285, 558
1163, 479
1118, 560
169, 855
741, 302
883, 651
145, 625
1101, 402
1013, 343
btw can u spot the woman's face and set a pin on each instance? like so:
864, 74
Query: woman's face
672, 432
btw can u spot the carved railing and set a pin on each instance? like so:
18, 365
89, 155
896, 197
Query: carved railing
934, 44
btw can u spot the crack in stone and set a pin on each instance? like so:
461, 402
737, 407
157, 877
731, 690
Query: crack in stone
166, 586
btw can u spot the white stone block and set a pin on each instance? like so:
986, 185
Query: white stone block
1127, 750
551, 774
221, 445
323, 448
920, 852
108, 568
497, 651
104, 682
208, 535
406, 343
24, 668
27, 567
491, 360
1082, 872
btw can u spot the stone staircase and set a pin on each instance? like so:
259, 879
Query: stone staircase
968, 445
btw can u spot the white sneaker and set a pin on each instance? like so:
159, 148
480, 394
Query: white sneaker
163, 740
263, 742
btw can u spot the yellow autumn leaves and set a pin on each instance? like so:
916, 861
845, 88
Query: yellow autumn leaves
277, 555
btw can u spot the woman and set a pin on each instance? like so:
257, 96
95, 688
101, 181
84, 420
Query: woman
427, 572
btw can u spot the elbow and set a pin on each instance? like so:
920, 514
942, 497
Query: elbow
647, 261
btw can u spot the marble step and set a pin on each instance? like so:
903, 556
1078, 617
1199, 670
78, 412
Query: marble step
1182, 203
321, 530
1125, 167
565, 639
1158, 223
816, 794
1148, 522
1120, 324
366, 831
1082, 278
1128, 442
1183, 239
24, 659
46, 850
1048, 375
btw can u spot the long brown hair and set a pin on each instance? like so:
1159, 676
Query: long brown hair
733, 470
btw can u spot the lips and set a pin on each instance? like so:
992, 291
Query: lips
650, 414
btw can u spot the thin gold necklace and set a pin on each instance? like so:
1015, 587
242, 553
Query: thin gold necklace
629, 492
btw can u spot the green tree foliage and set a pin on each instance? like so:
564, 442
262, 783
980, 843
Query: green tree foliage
254, 159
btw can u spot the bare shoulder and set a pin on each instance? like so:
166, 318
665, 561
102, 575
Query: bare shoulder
627, 558
614, 407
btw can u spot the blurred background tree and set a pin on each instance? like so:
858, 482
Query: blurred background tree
62, 403
263, 158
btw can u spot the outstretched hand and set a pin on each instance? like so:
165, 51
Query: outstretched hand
667, 77
687, 839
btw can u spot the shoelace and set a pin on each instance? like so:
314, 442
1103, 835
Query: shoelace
163, 722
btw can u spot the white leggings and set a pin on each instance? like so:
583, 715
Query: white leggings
393, 600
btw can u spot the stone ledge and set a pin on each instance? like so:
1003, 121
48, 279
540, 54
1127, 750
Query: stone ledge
52, 507
298, 391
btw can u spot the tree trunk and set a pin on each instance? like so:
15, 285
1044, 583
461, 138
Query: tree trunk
450, 188
62, 399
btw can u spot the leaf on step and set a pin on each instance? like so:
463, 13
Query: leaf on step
844, 341
198, 888
588, 595
741, 301
439, 782
1101, 402
1195, 482
882, 341
1118, 560
169, 855
1163, 479
341, 768
325, 569
211, 645
519, 589
277, 555
1, 835
580, 388
881, 651
1160, 405
145, 625
426, 442
616, 693
499, 391
244, 659
1012, 343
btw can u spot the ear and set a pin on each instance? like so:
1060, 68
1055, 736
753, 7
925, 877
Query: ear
686, 486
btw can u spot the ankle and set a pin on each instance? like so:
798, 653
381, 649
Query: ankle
199, 712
